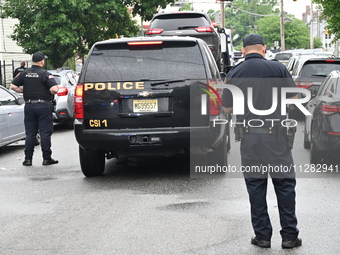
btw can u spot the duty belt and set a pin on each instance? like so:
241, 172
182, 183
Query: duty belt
261, 130
36, 101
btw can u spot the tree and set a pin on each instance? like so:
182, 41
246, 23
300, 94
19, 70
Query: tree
242, 16
186, 7
317, 43
296, 32
331, 11
60, 28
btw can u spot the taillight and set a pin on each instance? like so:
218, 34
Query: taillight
63, 91
154, 31
329, 109
333, 133
204, 29
304, 85
215, 107
79, 101
215, 101
141, 43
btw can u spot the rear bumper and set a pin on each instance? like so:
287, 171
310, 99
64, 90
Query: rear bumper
158, 141
329, 143
62, 114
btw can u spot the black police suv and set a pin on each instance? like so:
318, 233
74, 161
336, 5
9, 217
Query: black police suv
322, 128
187, 23
149, 96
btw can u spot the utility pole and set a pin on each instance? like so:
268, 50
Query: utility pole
282, 29
222, 14
311, 25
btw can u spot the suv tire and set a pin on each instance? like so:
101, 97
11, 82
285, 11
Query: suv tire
219, 155
92, 162
315, 156
306, 142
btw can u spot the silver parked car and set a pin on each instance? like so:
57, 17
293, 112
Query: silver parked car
67, 80
12, 127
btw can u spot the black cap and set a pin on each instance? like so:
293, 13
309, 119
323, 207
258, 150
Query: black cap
38, 56
253, 39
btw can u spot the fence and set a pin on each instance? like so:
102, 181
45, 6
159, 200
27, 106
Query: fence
7, 68
6, 71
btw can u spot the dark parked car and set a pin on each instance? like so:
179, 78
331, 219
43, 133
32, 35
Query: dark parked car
322, 128
148, 96
195, 24
283, 56
309, 73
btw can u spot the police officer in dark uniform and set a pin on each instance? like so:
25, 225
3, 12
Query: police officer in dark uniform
264, 147
38, 87
20, 69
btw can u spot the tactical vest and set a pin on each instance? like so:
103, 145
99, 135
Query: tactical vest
35, 84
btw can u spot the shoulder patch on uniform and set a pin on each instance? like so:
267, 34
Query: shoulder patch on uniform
51, 76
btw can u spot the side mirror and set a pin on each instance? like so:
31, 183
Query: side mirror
20, 100
223, 75
220, 30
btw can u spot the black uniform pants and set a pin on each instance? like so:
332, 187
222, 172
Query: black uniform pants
38, 118
262, 154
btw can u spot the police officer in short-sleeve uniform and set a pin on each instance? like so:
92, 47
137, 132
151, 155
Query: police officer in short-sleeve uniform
263, 142
38, 87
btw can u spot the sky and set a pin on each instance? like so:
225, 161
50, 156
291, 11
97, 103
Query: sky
292, 7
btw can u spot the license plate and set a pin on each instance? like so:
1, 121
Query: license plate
145, 105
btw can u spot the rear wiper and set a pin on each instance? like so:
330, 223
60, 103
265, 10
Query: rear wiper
186, 27
166, 82
320, 75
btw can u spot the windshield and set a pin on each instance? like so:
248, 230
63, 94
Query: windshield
319, 69
283, 56
176, 21
118, 63
57, 79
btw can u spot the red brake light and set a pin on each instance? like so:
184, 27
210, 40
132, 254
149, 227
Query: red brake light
215, 98
154, 31
79, 101
304, 85
215, 107
204, 29
330, 109
63, 91
329, 60
145, 43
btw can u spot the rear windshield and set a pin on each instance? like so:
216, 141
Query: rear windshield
119, 62
57, 79
178, 22
283, 56
319, 68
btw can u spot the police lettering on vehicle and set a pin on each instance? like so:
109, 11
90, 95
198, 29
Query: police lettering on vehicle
114, 85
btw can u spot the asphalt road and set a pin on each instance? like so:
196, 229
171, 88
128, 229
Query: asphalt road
149, 207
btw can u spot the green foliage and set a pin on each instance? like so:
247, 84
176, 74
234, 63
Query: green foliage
186, 7
296, 32
146, 8
317, 43
241, 19
59, 28
331, 11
